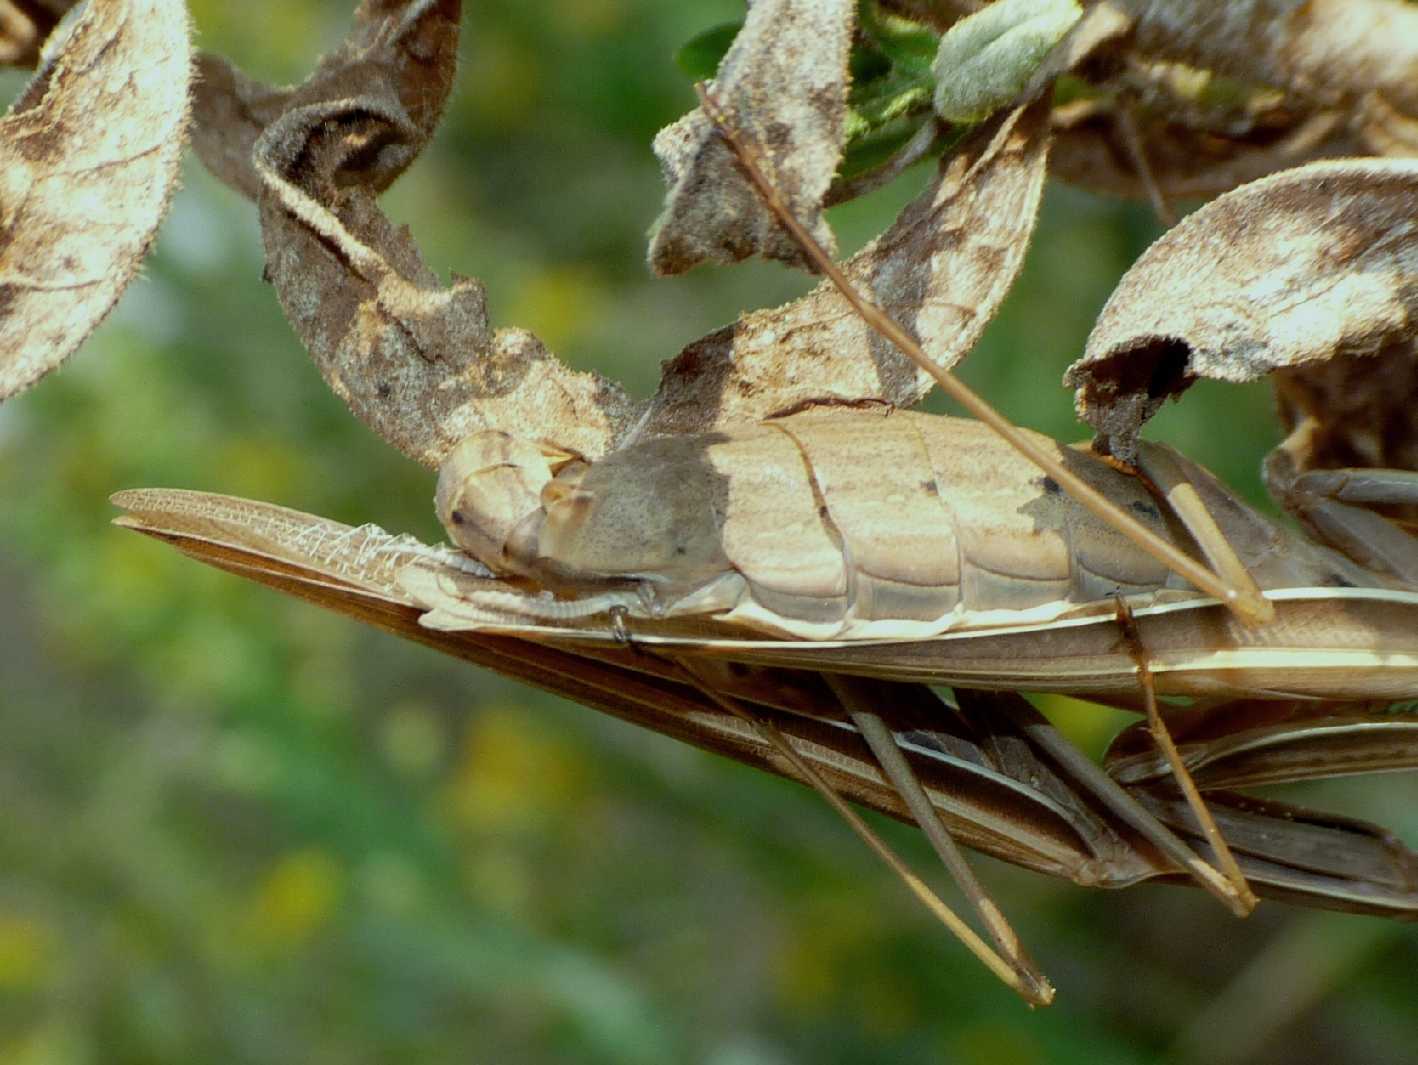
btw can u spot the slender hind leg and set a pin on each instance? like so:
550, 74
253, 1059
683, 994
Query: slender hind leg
856, 697
1090, 778
1228, 883
1015, 969
1310, 856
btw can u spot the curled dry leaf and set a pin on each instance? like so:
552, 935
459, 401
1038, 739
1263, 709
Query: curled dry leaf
1287, 272
941, 271
417, 362
1347, 54
405, 50
784, 83
24, 26
80, 200
1189, 161
229, 111
421, 365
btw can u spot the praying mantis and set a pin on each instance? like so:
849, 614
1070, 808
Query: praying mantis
994, 772
786, 590
905, 547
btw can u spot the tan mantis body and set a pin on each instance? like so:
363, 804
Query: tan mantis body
983, 775
910, 546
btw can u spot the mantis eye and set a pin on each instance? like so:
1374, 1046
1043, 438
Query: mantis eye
487, 486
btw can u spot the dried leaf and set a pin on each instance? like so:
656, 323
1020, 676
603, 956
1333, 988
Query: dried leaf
229, 111
1326, 52
80, 200
1357, 56
784, 83
24, 27
941, 270
1295, 269
401, 54
418, 363
1190, 161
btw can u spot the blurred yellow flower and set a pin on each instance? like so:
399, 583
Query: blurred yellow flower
512, 776
560, 305
296, 899
586, 18
500, 83
26, 951
817, 964
51, 1042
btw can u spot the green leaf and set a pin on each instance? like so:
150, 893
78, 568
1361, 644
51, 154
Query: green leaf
891, 89
700, 56
987, 59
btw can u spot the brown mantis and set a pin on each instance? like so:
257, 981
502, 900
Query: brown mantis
994, 772
1053, 627
878, 550
767, 531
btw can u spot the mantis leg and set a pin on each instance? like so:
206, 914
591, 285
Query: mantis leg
1117, 801
1297, 741
856, 699
1014, 969
1335, 503
1318, 858
1185, 487
1227, 883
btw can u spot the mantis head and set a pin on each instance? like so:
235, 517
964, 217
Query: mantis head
493, 494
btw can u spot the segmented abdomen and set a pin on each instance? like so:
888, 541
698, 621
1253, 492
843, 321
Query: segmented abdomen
920, 518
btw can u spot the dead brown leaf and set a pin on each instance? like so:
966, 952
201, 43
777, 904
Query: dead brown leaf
80, 200
421, 365
418, 363
1189, 160
1293, 270
229, 111
1329, 52
941, 271
400, 54
784, 83
1359, 56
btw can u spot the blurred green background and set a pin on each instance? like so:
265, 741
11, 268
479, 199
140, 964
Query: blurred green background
236, 829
